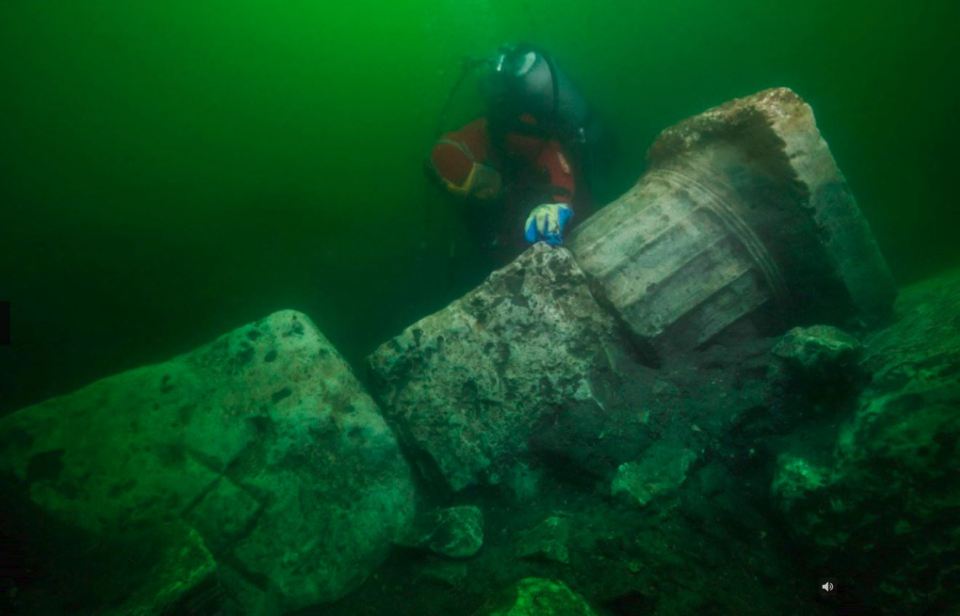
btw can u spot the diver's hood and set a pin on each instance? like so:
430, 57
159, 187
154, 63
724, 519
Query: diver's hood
526, 80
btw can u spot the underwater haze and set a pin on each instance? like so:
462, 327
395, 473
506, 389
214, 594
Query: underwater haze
170, 170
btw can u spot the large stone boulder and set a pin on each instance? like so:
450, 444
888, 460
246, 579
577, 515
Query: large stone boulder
880, 513
470, 386
743, 221
262, 446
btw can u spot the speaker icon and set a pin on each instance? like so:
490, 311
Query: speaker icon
828, 586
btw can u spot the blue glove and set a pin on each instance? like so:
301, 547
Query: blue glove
545, 223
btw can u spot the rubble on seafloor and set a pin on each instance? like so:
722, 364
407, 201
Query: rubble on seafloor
709, 403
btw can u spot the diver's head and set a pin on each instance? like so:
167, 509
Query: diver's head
521, 80
514, 61
507, 71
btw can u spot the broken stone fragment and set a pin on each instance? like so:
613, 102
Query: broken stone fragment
547, 540
455, 532
262, 442
469, 386
743, 220
819, 350
816, 370
541, 597
661, 471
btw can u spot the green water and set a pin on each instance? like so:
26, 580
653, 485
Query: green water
171, 170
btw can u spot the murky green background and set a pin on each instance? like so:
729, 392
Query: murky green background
171, 170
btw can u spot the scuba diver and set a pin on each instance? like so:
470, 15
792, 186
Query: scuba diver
524, 164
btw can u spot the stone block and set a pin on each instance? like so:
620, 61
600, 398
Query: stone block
469, 386
262, 442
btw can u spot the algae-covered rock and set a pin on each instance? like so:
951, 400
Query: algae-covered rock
881, 512
817, 371
547, 540
263, 442
469, 386
662, 470
455, 532
542, 597
796, 479
818, 350
923, 346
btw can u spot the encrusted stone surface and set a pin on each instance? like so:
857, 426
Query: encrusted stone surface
742, 219
262, 441
818, 350
455, 532
542, 597
469, 386
817, 370
661, 471
547, 540
882, 509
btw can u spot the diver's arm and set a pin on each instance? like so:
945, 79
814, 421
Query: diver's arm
553, 162
461, 161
